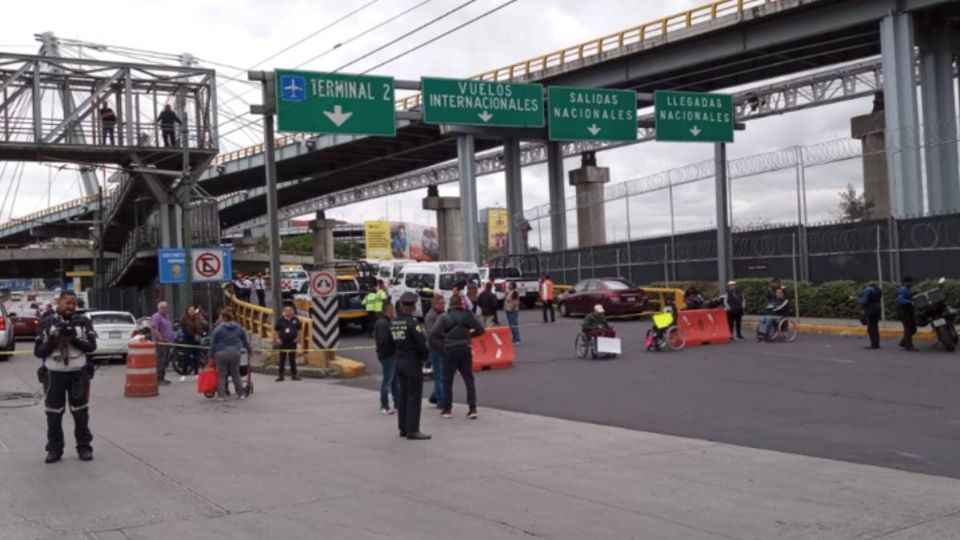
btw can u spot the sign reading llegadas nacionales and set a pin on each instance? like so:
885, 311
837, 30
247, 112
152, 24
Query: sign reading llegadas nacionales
592, 114
693, 116
483, 103
317, 102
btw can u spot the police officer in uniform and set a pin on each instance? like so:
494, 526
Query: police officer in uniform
412, 352
63, 343
869, 300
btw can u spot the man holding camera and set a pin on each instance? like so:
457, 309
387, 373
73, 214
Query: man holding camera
63, 342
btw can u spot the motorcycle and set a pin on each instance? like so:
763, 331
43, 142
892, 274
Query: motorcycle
932, 308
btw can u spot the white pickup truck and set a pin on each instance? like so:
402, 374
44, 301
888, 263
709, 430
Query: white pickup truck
502, 276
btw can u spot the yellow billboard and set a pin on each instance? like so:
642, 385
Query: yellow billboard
376, 235
497, 229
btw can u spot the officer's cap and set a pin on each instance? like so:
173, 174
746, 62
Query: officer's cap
408, 298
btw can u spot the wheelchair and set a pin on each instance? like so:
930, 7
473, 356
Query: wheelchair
585, 344
665, 334
784, 329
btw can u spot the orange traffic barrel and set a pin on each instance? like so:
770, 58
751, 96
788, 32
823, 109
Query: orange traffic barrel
141, 369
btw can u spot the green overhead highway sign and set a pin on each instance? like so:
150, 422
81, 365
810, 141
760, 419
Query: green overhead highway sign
316, 102
592, 114
693, 117
482, 103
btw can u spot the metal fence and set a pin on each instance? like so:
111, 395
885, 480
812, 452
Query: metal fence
648, 206
926, 247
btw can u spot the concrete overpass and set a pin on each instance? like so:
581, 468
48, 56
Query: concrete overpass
751, 42
717, 46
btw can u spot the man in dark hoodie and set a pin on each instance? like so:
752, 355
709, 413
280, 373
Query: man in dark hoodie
226, 344
456, 328
387, 355
488, 305
437, 308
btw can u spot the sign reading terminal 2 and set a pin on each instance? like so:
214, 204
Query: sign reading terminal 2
483, 103
316, 102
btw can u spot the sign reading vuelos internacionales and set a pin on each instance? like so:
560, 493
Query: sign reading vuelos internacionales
592, 114
483, 103
693, 117
316, 102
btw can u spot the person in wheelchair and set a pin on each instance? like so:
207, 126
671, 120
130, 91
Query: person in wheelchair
595, 324
661, 324
776, 310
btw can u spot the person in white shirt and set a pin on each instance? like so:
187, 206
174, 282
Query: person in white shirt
259, 286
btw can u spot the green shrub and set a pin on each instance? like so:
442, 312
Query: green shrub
832, 299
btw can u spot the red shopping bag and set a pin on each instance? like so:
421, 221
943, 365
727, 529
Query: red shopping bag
207, 380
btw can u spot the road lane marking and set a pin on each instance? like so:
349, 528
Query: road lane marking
802, 357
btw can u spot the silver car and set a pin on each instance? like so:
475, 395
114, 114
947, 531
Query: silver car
8, 341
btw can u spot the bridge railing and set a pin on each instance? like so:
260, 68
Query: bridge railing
256, 319
653, 31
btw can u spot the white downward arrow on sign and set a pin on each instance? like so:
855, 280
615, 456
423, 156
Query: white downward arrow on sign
593, 130
695, 131
485, 116
338, 117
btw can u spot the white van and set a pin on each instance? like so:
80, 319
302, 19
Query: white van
389, 269
440, 277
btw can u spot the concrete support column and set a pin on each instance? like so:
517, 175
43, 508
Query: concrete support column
869, 128
514, 184
902, 116
469, 215
591, 210
939, 114
167, 213
449, 225
558, 204
322, 238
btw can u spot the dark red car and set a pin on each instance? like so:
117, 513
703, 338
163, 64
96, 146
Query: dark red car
617, 296
25, 325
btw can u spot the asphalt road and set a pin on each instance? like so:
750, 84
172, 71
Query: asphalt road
820, 396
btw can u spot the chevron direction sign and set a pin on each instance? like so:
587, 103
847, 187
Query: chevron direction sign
324, 304
324, 322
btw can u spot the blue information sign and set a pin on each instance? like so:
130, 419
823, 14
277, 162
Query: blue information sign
210, 265
173, 269
16, 284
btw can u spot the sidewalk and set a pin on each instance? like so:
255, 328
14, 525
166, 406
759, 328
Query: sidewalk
314, 459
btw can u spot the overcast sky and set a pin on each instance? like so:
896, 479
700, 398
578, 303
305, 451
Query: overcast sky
241, 33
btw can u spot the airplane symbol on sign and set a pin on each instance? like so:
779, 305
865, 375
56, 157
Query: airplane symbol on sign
293, 88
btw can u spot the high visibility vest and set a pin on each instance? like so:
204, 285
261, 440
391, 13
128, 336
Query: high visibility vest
546, 290
373, 301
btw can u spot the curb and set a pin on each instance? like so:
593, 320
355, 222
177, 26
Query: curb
340, 368
852, 331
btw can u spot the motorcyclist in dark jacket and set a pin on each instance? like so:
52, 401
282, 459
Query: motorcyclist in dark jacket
63, 342
456, 328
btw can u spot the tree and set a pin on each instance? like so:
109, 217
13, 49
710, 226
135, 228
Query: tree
347, 249
854, 207
302, 244
262, 244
